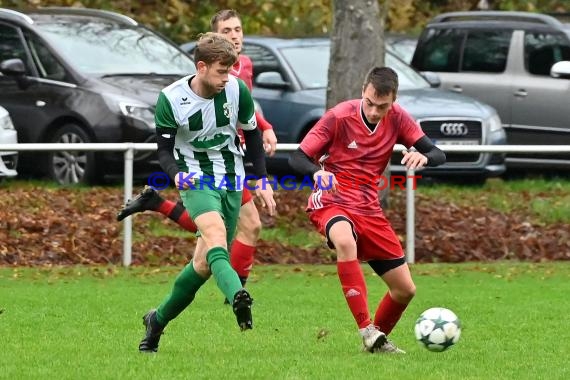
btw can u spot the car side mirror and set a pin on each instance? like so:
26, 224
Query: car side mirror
561, 70
16, 69
271, 79
432, 78
13, 67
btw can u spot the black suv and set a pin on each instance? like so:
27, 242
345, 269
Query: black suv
72, 75
517, 62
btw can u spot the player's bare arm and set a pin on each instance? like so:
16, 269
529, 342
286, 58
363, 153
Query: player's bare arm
326, 181
269, 142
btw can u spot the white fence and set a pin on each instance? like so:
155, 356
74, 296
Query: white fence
130, 148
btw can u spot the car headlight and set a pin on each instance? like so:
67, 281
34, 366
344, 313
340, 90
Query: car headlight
6, 123
494, 123
138, 111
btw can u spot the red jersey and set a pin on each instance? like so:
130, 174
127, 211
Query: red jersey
344, 146
243, 69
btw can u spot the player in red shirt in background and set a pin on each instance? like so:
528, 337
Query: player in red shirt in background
355, 139
243, 248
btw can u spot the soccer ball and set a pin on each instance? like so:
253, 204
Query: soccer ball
437, 329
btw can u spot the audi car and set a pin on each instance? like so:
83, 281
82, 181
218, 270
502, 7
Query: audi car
290, 80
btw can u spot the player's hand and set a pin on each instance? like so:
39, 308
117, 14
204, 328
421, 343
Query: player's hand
413, 159
264, 191
183, 179
326, 181
269, 142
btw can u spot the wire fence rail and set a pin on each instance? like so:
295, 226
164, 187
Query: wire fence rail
129, 150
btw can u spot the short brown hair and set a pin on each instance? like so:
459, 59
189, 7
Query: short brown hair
383, 79
215, 47
223, 15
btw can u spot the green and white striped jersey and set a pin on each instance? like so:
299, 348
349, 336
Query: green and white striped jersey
206, 138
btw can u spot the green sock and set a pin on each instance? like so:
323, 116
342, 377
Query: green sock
226, 277
185, 287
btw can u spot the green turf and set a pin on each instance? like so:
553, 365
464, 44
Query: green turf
85, 323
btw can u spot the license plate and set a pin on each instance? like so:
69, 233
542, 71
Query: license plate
456, 142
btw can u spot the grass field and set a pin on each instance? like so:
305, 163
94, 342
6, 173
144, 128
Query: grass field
85, 323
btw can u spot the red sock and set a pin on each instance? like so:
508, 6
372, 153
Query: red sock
388, 313
354, 289
186, 222
166, 207
176, 212
241, 258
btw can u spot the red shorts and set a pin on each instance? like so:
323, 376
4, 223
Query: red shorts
375, 238
245, 196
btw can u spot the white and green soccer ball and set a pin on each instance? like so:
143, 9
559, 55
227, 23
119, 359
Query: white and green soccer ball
437, 329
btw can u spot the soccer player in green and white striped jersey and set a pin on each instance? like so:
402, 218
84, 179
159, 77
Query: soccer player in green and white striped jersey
196, 124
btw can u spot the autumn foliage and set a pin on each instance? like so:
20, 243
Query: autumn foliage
182, 20
59, 226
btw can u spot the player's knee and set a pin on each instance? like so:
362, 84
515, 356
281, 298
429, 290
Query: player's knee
215, 236
345, 248
250, 223
404, 294
254, 227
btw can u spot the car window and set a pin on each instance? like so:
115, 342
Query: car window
439, 50
408, 78
103, 48
486, 51
262, 58
47, 65
542, 50
403, 48
11, 45
304, 62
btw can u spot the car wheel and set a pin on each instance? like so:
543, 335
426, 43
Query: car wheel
71, 167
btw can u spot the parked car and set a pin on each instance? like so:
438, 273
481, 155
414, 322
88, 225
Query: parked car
518, 62
290, 79
73, 75
401, 45
8, 135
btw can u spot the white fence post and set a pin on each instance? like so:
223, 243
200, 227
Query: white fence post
410, 216
128, 221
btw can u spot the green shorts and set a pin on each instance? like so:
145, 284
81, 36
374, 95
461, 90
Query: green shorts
226, 203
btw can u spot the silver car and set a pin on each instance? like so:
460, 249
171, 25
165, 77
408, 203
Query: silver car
518, 62
290, 84
8, 135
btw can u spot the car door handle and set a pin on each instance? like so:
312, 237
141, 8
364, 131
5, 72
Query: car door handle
521, 93
457, 89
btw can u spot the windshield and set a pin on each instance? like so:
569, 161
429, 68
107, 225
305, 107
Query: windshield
310, 64
101, 48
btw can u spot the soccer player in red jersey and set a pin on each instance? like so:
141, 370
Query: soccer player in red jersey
355, 139
227, 22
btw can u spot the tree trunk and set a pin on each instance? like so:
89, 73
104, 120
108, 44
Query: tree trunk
357, 45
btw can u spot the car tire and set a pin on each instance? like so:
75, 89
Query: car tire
73, 167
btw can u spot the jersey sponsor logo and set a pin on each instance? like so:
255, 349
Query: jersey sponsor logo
215, 141
352, 145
